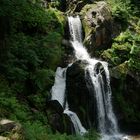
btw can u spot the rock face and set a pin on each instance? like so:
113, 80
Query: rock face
80, 99
97, 24
11, 130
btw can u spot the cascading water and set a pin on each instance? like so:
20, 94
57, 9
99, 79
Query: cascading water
99, 80
58, 93
107, 123
106, 119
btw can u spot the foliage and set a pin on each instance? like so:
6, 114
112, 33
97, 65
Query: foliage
120, 9
91, 135
30, 38
34, 131
125, 47
9, 105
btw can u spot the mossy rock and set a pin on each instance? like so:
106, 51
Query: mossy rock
97, 25
120, 71
86, 24
126, 47
110, 56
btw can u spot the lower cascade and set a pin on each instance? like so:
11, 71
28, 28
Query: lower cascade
97, 75
58, 93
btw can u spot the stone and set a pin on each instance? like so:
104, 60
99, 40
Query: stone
97, 24
12, 129
57, 119
74, 6
80, 97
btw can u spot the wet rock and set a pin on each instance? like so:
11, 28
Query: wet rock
79, 96
54, 114
57, 119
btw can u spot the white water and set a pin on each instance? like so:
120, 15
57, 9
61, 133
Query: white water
79, 129
58, 89
107, 123
58, 93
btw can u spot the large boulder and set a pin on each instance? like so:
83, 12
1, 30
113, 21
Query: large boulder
80, 99
97, 24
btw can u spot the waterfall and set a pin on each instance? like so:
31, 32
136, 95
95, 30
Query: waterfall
107, 123
58, 93
98, 78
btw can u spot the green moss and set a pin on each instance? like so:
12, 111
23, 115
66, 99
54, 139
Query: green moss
55, 19
120, 71
120, 11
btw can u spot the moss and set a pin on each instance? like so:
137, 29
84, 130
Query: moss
110, 56
120, 71
125, 47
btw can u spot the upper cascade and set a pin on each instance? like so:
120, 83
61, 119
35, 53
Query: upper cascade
75, 28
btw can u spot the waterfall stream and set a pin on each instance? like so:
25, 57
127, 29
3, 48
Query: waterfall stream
107, 123
100, 83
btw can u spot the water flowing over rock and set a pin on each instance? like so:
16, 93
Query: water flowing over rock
100, 83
